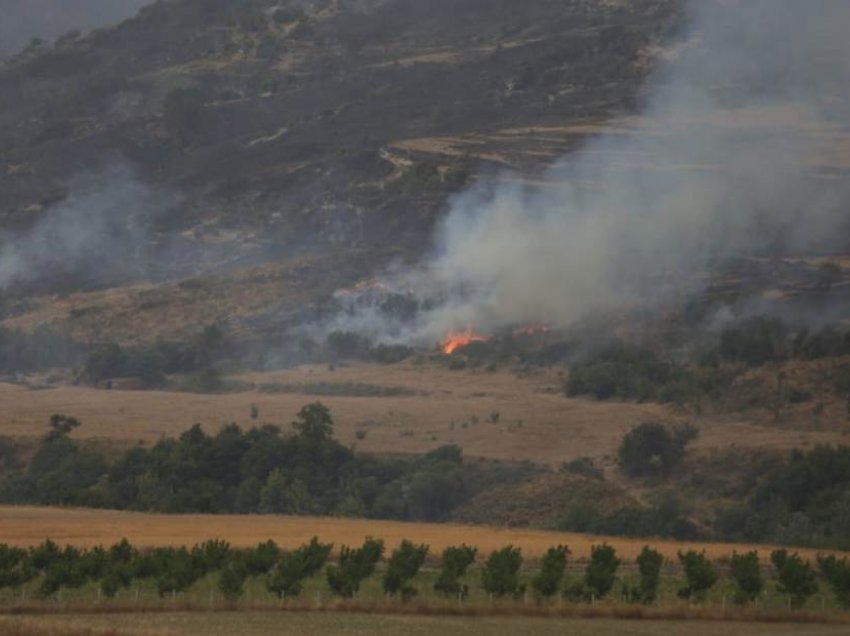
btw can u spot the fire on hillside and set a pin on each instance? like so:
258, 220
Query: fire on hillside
454, 340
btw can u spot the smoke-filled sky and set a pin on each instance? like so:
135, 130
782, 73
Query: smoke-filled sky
21, 20
721, 163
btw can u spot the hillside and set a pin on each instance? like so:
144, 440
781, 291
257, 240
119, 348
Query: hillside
317, 130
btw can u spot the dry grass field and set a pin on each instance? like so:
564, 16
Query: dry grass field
27, 526
292, 623
535, 421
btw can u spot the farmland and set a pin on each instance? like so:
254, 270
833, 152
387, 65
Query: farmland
26, 526
436, 406
265, 623
201, 609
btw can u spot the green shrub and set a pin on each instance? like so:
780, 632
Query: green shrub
601, 571
455, 563
796, 577
287, 577
700, 575
653, 449
500, 575
403, 566
649, 564
231, 581
548, 581
354, 567
837, 573
746, 572
627, 373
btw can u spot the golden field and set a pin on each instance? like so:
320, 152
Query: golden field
28, 525
535, 421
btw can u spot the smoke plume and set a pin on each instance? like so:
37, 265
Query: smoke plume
98, 234
733, 155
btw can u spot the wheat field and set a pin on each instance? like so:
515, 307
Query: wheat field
534, 421
27, 525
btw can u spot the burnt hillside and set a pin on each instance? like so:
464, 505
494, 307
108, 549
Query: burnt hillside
264, 127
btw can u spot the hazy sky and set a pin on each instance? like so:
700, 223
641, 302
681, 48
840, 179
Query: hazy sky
21, 20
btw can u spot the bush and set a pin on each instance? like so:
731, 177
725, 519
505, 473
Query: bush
700, 575
289, 574
343, 345
754, 341
652, 449
796, 577
583, 466
456, 562
837, 574
354, 567
649, 567
601, 571
231, 581
626, 373
547, 583
746, 572
500, 575
403, 566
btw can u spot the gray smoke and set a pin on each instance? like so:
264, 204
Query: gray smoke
725, 160
98, 233
21, 20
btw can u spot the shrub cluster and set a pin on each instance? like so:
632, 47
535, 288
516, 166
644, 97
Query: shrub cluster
258, 470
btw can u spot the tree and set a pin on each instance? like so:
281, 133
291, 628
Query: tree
699, 572
181, 113
403, 566
653, 449
231, 581
456, 562
314, 422
263, 558
746, 572
601, 571
548, 580
837, 574
649, 564
354, 567
103, 362
284, 495
500, 576
61, 425
15, 567
288, 575
796, 577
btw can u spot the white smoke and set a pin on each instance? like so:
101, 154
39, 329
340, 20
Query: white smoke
723, 162
99, 232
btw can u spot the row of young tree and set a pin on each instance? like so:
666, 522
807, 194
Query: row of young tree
50, 569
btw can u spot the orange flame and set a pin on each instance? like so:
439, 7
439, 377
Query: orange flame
454, 340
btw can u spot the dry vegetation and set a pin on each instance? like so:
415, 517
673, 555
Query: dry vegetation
26, 526
535, 422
